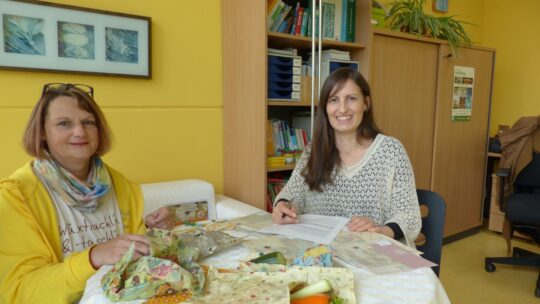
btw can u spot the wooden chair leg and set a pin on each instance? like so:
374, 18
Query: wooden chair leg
507, 232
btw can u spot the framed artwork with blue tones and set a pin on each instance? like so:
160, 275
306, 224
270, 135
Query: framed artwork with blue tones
36, 35
440, 6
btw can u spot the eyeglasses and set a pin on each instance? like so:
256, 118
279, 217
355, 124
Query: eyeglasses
59, 87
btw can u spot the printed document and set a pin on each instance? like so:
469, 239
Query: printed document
315, 228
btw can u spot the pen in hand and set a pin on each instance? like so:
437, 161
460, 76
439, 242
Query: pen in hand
290, 215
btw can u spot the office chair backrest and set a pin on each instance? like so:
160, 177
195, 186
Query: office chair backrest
529, 178
432, 226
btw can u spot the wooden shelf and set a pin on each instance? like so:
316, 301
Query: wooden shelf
281, 40
281, 168
287, 103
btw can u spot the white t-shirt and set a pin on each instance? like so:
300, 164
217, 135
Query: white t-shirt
80, 230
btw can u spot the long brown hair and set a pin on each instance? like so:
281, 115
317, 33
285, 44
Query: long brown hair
33, 141
324, 155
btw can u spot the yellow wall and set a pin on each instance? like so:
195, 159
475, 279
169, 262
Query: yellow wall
515, 32
168, 127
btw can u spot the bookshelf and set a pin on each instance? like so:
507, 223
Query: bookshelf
245, 107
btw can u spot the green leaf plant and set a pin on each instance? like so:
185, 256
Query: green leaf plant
408, 16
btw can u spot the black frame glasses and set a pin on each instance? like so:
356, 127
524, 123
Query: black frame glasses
60, 87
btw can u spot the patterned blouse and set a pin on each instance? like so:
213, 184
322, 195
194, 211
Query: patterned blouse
382, 189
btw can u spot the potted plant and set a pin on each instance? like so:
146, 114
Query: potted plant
408, 16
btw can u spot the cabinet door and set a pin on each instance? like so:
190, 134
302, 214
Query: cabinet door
244, 94
461, 147
403, 82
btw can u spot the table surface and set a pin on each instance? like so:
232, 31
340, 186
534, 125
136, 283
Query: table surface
416, 286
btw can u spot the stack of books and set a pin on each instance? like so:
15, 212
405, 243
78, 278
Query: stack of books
338, 18
274, 186
332, 59
286, 139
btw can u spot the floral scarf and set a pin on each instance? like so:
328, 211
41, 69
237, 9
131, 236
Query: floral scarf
82, 195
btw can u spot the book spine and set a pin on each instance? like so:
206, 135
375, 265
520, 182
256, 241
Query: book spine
309, 25
306, 139
291, 23
294, 142
305, 19
275, 15
299, 21
287, 134
283, 26
293, 29
271, 12
344, 5
280, 18
282, 135
270, 145
351, 16
277, 136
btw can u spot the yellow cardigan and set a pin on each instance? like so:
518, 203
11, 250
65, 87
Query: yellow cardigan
32, 267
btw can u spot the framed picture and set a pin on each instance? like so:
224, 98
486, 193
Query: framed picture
36, 35
440, 6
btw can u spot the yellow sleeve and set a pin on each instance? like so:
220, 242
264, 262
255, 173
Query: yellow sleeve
30, 272
138, 210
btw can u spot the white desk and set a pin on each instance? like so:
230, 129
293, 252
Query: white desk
417, 286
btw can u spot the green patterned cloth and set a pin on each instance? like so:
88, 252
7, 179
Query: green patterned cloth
171, 267
144, 278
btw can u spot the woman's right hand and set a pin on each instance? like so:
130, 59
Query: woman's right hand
284, 214
111, 252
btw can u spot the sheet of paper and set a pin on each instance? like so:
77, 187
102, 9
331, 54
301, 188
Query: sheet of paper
315, 228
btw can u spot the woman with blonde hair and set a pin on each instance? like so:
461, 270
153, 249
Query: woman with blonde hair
66, 213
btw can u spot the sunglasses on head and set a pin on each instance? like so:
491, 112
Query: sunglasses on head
59, 87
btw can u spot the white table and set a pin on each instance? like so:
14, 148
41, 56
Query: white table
417, 286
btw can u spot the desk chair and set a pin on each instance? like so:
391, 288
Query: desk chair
522, 213
432, 226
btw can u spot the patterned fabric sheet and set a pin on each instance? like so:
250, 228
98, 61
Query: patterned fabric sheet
189, 212
172, 266
290, 248
358, 250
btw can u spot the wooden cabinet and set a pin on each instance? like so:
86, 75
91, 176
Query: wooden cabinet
245, 39
412, 81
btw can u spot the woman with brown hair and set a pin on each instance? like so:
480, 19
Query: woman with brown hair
66, 213
351, 169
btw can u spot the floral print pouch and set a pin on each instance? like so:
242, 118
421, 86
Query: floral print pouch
146, 277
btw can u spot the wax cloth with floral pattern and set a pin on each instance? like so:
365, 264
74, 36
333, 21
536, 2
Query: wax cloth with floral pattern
317, 256
241, 287
341, 279
171, 267
146, 277
206, 241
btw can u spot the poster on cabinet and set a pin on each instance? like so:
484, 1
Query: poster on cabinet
463, 93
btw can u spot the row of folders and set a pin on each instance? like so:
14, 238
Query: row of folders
295, 18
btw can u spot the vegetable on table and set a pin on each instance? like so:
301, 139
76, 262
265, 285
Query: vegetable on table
319, 298
322, 286
271, 258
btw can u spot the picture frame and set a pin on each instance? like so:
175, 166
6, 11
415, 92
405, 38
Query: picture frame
44, 36
440, 6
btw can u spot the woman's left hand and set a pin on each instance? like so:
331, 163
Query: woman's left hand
161, 218
361, 223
